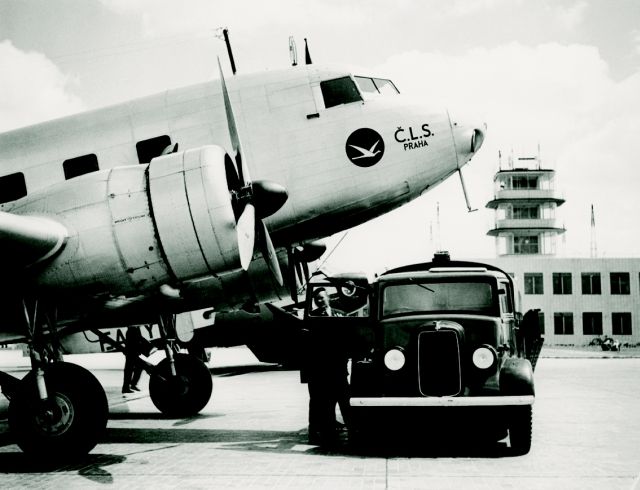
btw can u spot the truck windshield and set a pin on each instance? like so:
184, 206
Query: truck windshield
428, 297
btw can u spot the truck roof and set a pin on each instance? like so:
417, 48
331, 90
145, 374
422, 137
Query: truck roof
443, 266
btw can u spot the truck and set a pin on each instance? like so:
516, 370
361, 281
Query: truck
434, 345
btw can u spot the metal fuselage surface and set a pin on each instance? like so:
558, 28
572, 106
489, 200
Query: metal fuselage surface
341, 166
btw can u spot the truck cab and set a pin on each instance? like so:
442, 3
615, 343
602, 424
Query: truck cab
444, 337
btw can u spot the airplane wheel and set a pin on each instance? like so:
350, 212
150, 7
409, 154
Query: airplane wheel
520, 430
66, 425
183, 395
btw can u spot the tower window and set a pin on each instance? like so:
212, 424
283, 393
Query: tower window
12, 187
524, 182
74, 167
526, 212
526, 244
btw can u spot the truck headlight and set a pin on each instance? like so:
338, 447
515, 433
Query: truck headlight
394, 359
484, 357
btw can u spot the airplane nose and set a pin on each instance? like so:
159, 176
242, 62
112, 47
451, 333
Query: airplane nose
468, 138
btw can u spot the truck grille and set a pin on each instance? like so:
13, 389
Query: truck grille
439, 372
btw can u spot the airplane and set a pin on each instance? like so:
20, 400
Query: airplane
198, 197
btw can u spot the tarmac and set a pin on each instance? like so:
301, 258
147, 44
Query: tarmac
252, 434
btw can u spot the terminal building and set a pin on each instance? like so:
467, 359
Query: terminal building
579, 298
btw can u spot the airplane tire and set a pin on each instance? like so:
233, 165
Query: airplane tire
69, 423
183, 395
520, 429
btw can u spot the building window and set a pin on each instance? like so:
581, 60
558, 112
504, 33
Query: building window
524, 182
525, 244
619, 283
74, 167
561, 283
526, 212
533, 283
339, 91
591, 283
563, 323
592, 323
12, 187
151, 148
621, 323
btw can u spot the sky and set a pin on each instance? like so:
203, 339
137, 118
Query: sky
558, 77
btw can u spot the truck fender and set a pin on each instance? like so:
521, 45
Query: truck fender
516, 377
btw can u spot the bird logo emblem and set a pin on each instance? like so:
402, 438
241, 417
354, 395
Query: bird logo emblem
364, 147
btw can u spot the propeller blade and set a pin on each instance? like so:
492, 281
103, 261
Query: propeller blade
233, 129
291, 277
246, 230
269, 252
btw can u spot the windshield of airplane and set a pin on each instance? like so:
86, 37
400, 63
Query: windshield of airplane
376, 86
429, 297
339, 91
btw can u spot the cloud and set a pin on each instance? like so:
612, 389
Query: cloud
569, 17
32, 89
466, 7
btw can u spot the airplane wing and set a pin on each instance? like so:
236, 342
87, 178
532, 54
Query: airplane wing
27, 240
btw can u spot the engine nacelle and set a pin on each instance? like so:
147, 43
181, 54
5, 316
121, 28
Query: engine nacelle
192, 210
134, 228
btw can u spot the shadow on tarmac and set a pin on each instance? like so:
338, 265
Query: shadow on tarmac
90, 466
228, 371
296, 442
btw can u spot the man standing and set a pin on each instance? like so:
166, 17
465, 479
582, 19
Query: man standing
132, 368
325, 373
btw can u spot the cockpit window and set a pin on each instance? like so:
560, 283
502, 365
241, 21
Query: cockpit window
376, 86
339, 91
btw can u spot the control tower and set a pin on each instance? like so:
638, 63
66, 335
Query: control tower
525, 202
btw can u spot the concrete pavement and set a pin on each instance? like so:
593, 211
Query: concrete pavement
253, 435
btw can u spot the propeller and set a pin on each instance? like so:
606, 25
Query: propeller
299, 258
253, 201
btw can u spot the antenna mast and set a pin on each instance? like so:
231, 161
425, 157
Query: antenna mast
225, 33
594, 248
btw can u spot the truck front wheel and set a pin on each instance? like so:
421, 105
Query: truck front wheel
520, 430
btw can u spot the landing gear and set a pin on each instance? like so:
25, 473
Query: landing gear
68, 422
185, 393
58, 410
181, 384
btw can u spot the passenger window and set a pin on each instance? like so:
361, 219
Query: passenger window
151, 148
74, 167
339, 91
12, 187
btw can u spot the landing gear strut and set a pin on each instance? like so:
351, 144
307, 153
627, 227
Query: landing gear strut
181, 384
58, 409
69, 422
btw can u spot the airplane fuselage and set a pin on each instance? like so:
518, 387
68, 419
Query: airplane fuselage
342, 161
